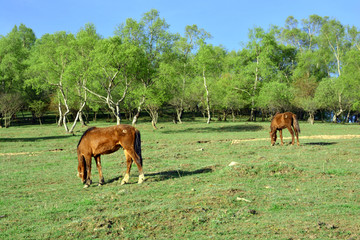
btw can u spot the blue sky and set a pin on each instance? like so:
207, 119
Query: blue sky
228, 21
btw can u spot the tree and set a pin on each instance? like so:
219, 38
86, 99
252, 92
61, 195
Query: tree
333, 40
351, 73
274, 97
38, 108
155, 99
354, 36
151, 34
209, 67
117, 64
304, 95
350, 78
263, 63
10, 104
181, 68
79, 69
49, 68
14, 51
225, 97
325, 93
311, 68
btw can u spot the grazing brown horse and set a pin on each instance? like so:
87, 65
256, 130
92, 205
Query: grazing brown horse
284, 120
97, 141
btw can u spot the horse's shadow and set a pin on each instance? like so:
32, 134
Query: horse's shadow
33, 139
320, 143
171, 174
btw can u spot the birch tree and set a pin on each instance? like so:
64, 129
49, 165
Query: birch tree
183, 69
260, 65
310, 66
116, 65
333, 39
86, 40
50, 61
209, 67
152, 36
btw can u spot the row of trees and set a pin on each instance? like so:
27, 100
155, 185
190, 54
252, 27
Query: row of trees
304, 66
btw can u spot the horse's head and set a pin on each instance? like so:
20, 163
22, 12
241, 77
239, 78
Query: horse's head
273, 137
80, 174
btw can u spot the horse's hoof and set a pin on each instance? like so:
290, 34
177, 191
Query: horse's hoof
99, 185
123, 182
102, 182
86, 186
141, 179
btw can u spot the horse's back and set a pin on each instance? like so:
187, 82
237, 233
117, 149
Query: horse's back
107, 140
282, 120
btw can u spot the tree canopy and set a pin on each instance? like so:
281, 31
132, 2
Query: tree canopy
307, 66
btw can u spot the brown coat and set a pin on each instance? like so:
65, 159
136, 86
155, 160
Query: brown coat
284, 120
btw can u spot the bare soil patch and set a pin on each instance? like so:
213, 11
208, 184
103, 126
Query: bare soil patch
330, 137
31, 153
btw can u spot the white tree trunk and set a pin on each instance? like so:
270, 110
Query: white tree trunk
136, 116
207, 98
66, 106
78, 115
59, 121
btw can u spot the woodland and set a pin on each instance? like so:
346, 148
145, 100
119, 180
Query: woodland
309, 66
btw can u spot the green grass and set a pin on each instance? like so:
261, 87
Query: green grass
190, 192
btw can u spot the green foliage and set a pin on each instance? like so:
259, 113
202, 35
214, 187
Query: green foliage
10, 104
14, 51
144, 64
275, 97
38, 107
351, 78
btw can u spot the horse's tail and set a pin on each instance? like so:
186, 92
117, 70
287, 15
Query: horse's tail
82, 165
296, 123
137, 145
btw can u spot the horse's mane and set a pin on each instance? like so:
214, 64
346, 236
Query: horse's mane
88, 130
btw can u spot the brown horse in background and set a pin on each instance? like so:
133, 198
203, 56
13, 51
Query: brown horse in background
284, 120
97, 141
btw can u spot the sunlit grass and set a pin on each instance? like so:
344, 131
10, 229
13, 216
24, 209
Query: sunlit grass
280, 192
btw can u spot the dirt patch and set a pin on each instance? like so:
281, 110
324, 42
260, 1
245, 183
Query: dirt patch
302, 137
31, 153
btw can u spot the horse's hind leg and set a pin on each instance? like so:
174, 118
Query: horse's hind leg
98, 165
136, 159
128, 168
297, 137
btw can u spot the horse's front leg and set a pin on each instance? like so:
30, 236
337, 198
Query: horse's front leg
88, 172
281, 137
128, 168
98, 165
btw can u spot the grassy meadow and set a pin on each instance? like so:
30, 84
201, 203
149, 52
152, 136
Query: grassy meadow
309, 191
